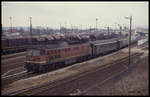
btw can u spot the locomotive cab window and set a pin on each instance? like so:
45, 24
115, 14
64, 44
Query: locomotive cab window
29, 52
36, 53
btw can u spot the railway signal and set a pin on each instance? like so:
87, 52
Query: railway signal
130, 18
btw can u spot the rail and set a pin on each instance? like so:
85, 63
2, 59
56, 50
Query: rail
13, 55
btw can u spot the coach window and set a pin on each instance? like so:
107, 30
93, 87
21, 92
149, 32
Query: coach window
46, 52
76, 48
65, 49
62, 50
51, 51
69, 49
55, 51
59, 51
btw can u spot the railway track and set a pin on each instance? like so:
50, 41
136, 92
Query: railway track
69, 86
12, 63
6, 68
13, 72
6, 80
9, 79
5, 57
14, 75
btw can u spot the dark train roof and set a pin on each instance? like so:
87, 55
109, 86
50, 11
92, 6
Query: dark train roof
102, 41
64, 45
53, 46
45, 46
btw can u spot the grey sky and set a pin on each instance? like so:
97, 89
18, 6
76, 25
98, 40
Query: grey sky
52, 14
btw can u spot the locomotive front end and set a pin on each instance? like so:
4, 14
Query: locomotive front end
35, 58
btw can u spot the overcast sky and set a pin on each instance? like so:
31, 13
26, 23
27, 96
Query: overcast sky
52, 14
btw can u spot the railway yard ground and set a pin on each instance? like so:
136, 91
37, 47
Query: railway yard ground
10, 62
133, 82
107, 75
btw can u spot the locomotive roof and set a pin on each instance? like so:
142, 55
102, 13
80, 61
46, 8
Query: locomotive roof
54, 46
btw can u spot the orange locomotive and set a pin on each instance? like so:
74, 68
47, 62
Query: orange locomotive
44, 58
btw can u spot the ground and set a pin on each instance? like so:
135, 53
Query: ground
133, 82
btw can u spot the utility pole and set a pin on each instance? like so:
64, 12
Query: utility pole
77, 29
2, 30
10, 24
47, 30
81, 28
65, 28
60, 27
90, 29
71, 28
130, 18
120, 30
108, 30
31, 30
96, 23
130, 41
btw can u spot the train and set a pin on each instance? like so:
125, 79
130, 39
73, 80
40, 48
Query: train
15, 44
43, 58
